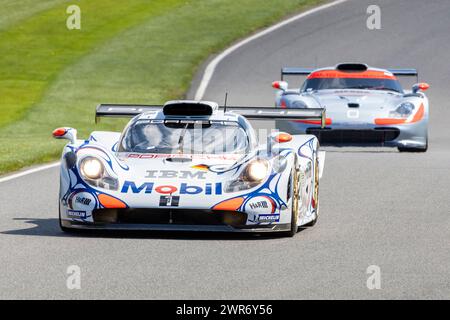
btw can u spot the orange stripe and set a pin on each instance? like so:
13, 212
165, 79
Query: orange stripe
419, 114
111, 202
391, 121
356, 75
328, 121
203, 167
231, 204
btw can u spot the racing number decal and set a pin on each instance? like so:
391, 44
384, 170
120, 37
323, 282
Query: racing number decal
353, 114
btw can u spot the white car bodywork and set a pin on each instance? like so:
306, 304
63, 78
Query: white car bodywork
157, 191
358, 112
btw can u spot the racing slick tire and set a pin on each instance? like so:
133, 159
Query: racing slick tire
294, 195
406, 149
415, 149
65, 229
315, 196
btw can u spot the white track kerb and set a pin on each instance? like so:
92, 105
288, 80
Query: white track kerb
211, 67
207, 75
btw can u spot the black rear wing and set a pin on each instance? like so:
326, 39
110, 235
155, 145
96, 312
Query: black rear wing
271, 113
123, 110
405, 73
251, 113
292, 71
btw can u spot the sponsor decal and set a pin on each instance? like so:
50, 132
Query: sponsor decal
172, 174
269, 218
259, 204
190, 156
76, 214
169, 201
189, 189
83, 200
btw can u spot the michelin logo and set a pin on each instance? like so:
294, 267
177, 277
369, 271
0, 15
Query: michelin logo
76, 214
269, 218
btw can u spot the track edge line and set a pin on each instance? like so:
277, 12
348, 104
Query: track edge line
28, 172
211, 67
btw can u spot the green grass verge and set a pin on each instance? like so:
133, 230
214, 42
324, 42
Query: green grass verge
138, 52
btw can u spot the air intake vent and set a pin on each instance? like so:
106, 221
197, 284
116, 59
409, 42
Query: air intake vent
187, 109
352, 67
378, 136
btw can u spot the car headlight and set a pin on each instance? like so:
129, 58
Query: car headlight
404, 110
256, 170
94, 173
91, 168
251, 176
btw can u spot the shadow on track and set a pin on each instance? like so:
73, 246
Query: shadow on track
50, 228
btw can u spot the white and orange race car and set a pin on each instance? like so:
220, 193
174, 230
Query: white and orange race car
191, 166
364, 106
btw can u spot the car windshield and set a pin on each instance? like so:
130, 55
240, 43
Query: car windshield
352, 83
184, 137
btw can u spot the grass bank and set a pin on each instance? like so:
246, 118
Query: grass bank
136, 52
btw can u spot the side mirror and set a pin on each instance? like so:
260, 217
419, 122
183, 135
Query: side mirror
276, 138
422, 86
65, 133
280, 85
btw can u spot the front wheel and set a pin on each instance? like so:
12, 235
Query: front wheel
315, 198
293, 187
64, 229
407, 149
414, 149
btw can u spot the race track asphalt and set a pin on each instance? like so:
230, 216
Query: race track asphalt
378, 207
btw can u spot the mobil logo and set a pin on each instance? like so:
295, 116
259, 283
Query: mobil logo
183, 188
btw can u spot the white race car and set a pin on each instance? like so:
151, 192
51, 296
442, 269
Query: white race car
191, 166
365, 106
